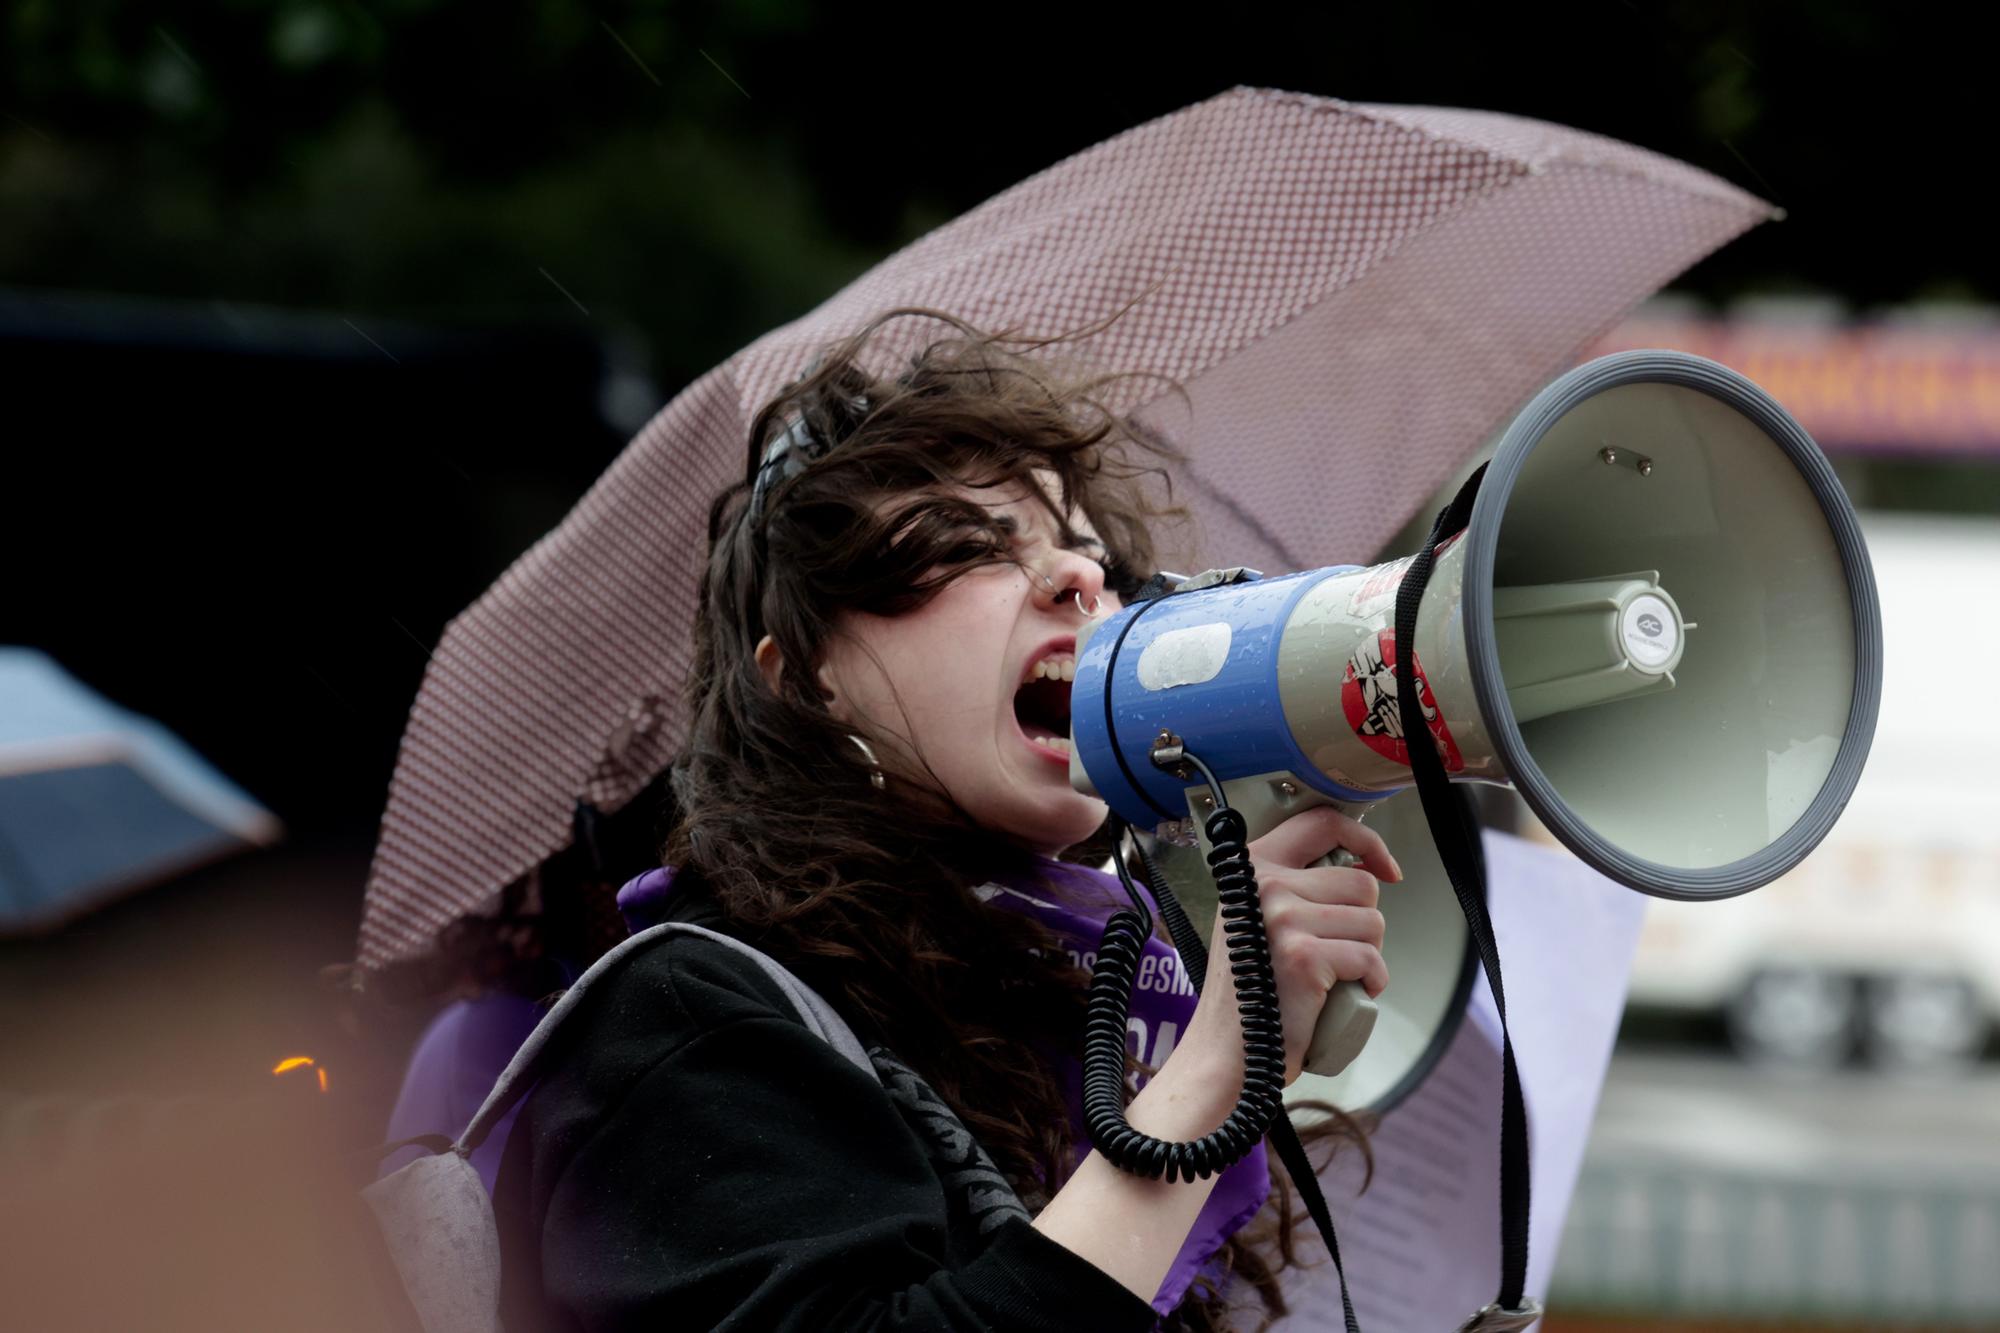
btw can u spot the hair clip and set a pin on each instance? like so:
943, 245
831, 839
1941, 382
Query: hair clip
786, 456
794, 449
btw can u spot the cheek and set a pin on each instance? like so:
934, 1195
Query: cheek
962, 672
931, 675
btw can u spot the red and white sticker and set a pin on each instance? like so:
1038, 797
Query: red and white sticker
1368, 699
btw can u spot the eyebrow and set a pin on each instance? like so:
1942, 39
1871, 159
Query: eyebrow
1010, 525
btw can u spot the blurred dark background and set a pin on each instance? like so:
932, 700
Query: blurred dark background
315, 314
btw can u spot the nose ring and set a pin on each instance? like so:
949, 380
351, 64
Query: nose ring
1096, 602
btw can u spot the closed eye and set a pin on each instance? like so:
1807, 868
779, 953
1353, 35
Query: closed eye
1121, 580
1118, 577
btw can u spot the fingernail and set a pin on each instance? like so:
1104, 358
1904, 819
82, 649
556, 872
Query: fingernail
1396, 866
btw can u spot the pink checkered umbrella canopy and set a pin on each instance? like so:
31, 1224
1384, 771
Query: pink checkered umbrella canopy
1354, 296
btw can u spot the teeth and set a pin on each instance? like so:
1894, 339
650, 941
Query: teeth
1055, 668
1058, 743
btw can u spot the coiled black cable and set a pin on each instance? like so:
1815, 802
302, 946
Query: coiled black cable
1110, 1004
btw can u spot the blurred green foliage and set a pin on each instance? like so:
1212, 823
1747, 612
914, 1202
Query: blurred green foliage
704, 172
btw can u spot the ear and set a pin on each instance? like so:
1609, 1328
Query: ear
831, 694
770, 662
771, 665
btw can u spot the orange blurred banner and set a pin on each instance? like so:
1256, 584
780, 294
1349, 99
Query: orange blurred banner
1853, 387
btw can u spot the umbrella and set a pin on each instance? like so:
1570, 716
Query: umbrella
96, 801
1355, 297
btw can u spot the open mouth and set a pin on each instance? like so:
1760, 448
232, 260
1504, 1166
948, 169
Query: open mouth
1041, 704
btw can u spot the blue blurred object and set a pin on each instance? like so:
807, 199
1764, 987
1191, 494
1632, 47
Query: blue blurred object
96, 801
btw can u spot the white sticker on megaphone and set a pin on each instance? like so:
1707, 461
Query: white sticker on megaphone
1187, 656
1650, 630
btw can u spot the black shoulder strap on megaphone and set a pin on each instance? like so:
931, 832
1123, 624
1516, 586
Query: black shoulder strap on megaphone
1457, 839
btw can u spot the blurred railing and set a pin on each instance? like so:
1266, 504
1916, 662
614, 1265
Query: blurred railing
1734, 1243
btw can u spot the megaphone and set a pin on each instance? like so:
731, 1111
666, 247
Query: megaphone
1659, 625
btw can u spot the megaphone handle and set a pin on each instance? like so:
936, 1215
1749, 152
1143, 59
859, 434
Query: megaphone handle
1349, 1016
1348, 1019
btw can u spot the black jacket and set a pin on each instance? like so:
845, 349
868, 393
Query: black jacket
696, 1158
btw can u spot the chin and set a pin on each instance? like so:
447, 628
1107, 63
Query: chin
1069, 824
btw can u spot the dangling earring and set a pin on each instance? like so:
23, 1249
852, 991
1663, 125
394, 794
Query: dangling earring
875, 777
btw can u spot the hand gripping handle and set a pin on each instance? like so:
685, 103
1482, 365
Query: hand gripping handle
1267, 801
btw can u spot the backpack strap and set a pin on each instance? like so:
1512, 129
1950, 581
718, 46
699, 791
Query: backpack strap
435, 1215
519, 1076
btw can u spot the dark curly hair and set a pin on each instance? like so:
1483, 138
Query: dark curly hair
870, 900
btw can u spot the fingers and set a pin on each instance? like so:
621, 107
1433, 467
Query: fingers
1314, 833
1316, 944
1323, 884
1343, 921
1318, 965
1353, 961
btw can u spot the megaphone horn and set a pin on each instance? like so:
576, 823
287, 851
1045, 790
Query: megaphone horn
1659, 625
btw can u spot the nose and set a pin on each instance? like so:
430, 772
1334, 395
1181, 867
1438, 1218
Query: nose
1071, 577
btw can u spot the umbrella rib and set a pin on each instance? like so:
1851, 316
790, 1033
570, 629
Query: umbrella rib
1249, 520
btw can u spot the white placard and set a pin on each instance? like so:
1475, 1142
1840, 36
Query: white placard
1422, 1246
